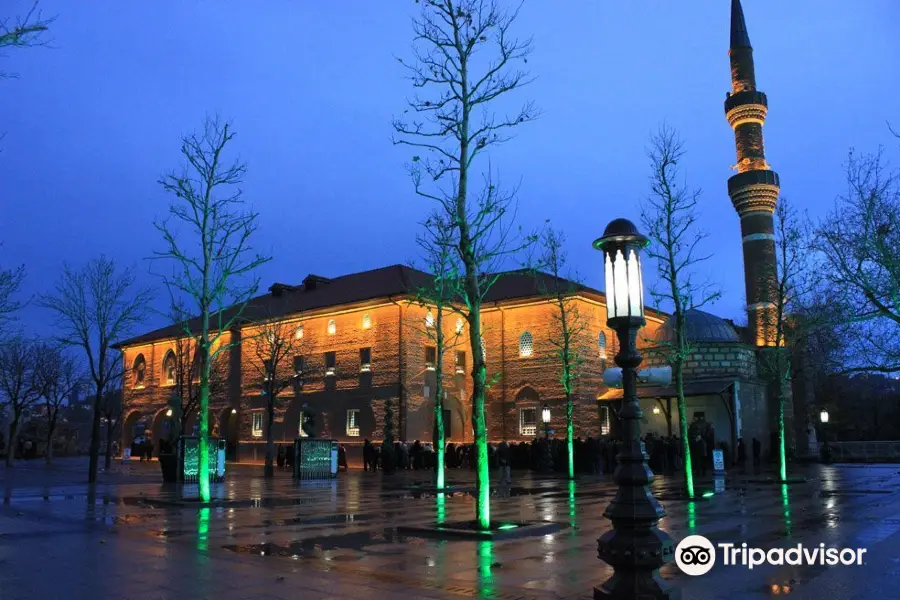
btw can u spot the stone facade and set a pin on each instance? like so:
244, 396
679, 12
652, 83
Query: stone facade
394, 334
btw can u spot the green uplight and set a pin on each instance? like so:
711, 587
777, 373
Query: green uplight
508, 526
708, 494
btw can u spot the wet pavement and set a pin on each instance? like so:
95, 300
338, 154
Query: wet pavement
132, 537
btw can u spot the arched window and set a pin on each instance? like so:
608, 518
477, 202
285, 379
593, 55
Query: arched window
138, 370
429, 319
332, 327
298, 333
526, 344
367, 321
459, 325
168, 367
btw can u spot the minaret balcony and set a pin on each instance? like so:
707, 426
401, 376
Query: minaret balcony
733, 101
754, 191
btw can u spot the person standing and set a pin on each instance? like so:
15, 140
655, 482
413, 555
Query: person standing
503, 460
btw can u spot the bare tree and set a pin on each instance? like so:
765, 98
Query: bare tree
185, 397
57, 377
95, 307
24, 32
670, 215
214, 266
278, 353
111, 411
569, 328
859, 244
19, 384
10, 282
465, 56
795, 316
438, 250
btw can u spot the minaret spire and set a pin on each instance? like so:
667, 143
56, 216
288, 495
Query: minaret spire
739, 36
754, 190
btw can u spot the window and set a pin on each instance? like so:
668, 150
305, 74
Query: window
298, 334
526, 344
365, 360
459, 325
329, 363
528, 421
332, 327
257, 424
604, 420
169, 368
367, 321
460, 361
429, 319
139, 369
430, 357
353, 422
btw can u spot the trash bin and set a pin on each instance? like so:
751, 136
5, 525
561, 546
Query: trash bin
315, 459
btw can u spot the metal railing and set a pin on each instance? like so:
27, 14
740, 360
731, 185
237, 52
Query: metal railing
864, 451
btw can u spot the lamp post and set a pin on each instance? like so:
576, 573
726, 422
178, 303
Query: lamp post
635, 547
825, 452
547, 454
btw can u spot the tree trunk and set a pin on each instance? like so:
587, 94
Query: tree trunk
107, 463
683, 425
570, 443
51, 425
669, 415
95, 437
11, 442
269, 469
203, 442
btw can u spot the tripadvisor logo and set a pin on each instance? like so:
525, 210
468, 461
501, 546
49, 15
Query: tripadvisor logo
696, 555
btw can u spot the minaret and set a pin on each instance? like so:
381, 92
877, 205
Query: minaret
754, 190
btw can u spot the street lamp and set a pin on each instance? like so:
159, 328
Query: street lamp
545, 418
547, 452
635, 547
823, 416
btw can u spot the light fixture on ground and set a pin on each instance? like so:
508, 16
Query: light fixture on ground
635, 547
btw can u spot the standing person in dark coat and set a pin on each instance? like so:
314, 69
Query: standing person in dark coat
368, 455
503, 458
757, 450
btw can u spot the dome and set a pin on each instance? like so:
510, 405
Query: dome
700, 327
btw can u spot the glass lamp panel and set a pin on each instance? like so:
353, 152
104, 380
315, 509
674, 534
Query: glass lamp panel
610, 288
620, 273
634, 281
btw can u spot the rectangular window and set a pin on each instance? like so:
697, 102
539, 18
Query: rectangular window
430, 357
365, 360
460, 361
604, 420
353, 422
330, 363
257, 424
528, 421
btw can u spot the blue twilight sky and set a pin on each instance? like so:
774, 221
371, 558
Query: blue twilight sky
311, 87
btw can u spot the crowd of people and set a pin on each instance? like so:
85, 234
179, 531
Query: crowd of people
591, 456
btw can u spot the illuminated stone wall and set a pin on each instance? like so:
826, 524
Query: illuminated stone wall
398, 335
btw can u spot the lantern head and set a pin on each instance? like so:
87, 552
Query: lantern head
621, 245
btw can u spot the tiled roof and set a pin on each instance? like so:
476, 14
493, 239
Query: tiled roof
386, 282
